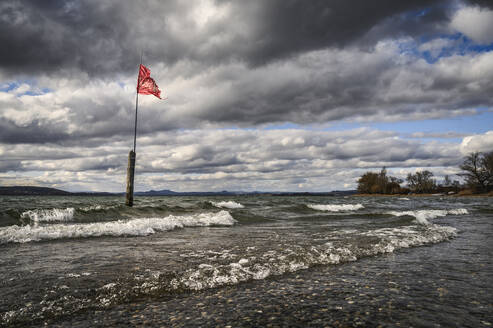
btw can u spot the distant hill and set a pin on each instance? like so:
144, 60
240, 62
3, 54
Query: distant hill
32, 191
167, 192
45, 191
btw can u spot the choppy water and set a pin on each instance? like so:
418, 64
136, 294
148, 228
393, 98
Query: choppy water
66, 257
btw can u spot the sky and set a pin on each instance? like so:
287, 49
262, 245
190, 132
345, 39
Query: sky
281, 95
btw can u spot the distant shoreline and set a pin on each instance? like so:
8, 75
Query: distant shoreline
45, 191
490, 194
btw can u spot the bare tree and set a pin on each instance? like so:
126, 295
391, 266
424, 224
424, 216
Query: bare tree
487, 163
446, 181
478, 169
421, 181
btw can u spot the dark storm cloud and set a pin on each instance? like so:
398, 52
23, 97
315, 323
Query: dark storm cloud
106, 37
34, 132
290, 27
9, 165
330, 86
482, 3
52, 35
315, 87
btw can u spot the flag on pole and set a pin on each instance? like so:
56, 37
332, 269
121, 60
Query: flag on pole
145, 84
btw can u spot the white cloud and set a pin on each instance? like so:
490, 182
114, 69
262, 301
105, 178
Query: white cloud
480, 142
439, 135
213, 159
474, 22
435, 46
207, 12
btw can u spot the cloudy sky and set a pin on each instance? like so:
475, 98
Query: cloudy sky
280, 95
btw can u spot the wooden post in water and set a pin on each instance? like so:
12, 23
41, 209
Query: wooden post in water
129, 199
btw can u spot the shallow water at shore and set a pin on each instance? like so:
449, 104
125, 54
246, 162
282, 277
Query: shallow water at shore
246, 261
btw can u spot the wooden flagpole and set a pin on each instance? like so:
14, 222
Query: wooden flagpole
129, 198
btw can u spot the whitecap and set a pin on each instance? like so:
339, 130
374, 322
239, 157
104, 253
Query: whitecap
96, 207
229, 204
335, 207
422, 216
135, 227
49, 215
278, 262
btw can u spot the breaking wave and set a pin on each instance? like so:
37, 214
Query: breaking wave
422, 216
49, 215
135, 227
96, 208
229, 204
336, 208
240, 268
297, 257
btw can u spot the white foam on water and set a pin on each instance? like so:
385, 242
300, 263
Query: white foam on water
243, 261
49, 215
298, 257
96, 207
91, 208
336, 208
422, 216
135, 227
404, 198
108, 286
229, 204
249, 266
397, 238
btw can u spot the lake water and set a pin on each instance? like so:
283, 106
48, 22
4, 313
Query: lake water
246, 261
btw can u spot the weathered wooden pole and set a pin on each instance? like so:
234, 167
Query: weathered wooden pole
129, 199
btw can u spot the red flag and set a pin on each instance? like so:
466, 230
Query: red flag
145, 84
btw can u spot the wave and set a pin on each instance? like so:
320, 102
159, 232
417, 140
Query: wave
422, 216
404, 198
293, 258
229, 204
91, 213
135, 227
49, 215
297, 257
96, 208
248, 266
336, 208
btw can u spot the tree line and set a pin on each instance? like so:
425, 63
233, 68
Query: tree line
477, 174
